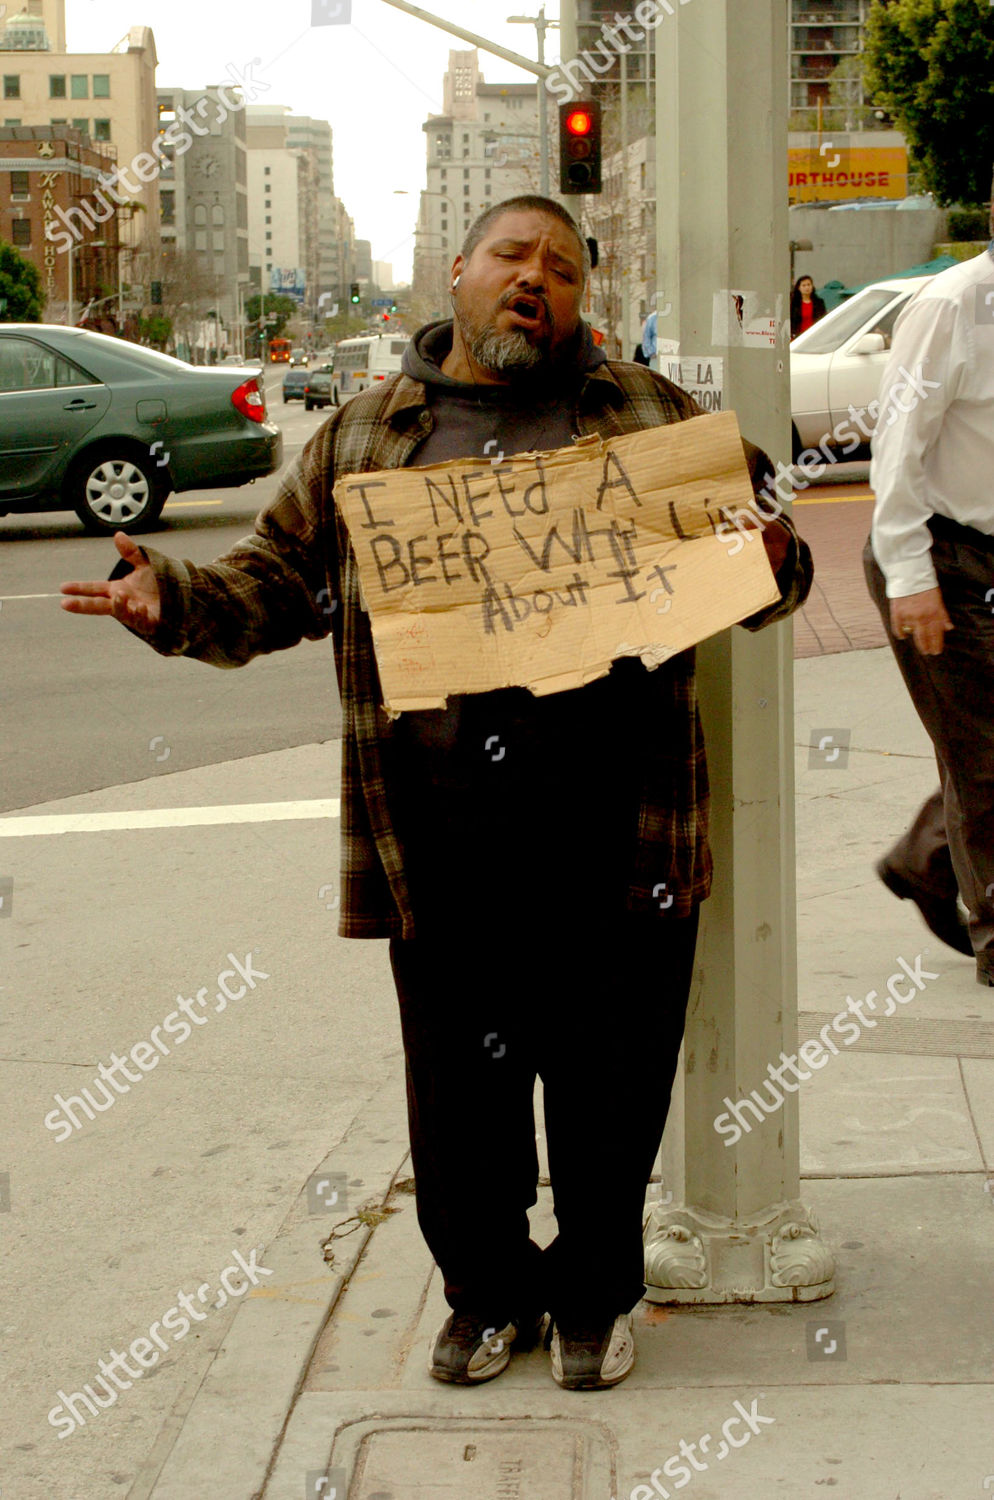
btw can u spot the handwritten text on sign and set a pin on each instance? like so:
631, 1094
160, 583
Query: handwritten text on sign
541, 570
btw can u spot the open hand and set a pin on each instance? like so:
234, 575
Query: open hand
133, 600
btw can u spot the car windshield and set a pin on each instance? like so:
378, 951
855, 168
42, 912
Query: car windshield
833, 331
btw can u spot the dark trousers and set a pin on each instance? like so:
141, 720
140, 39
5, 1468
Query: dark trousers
593, 1002
950, 844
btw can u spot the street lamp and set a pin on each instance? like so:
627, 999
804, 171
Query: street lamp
83, 244
541, 26
796, 245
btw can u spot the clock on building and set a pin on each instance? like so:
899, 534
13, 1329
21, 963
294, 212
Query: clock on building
208, 166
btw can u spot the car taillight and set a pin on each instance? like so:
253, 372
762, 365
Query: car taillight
379, 377
250, 401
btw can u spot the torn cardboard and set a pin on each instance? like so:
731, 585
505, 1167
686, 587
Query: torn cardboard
540, 570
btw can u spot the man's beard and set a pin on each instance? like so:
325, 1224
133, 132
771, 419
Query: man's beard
502, 353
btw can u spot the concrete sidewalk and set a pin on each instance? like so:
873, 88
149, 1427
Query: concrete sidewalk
315, 1384
321, 1386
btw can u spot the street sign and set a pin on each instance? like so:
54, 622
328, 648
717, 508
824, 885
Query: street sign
381, 302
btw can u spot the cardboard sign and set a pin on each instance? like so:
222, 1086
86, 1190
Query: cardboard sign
540, 570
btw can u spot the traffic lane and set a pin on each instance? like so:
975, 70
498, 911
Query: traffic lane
90, 706
834, 519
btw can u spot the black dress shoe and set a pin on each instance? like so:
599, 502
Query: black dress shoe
941, 914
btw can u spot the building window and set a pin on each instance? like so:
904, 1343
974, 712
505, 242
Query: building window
57, 86
444, 172
268, 171
83, 125
217, 214
465, 151
465, 189
465, 172
443, 147
20, 231
488, 189
12, 85
19, 185
218, 239
445, 243
167, 202
200, 214
445, 223
269, 234
58, 122
269, 202
200, 239
12, 124
486, 174
269, 218
101, 85
80, 86
101, 130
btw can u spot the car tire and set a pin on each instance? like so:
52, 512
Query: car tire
796, 446
308, 405
111, 489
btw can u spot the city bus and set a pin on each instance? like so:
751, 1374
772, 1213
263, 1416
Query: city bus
361, 362
279, 351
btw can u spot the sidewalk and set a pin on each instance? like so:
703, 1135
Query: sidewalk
320, 1386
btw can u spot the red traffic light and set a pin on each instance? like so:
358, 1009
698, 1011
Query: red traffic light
580, 147
579, 122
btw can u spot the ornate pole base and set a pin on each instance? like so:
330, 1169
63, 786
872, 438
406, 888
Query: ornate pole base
776, 1255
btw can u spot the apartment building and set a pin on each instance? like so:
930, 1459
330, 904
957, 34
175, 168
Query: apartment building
107, 98
484, 148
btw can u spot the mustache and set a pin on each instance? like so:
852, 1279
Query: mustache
540, 297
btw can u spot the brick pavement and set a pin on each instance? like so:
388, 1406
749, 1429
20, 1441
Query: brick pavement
839, 615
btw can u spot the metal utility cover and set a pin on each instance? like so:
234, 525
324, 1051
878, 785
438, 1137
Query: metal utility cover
502, 1461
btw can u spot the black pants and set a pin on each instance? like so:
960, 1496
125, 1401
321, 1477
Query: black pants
591, 1000
950, 844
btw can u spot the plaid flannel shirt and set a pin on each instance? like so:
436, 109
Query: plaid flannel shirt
277, 587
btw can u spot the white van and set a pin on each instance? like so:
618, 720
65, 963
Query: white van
362, 362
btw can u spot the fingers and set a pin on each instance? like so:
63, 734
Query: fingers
129, 549
82, 605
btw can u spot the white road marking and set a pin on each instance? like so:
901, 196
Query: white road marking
167, 817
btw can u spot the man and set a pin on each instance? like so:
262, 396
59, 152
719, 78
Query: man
930, 568
508, 846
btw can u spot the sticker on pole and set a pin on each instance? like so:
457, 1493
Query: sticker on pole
540, 570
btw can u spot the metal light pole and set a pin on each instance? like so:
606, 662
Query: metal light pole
541, 26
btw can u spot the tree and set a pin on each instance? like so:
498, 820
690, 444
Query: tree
930, 64
279, 311
21, 299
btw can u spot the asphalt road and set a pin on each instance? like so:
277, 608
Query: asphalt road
86, 705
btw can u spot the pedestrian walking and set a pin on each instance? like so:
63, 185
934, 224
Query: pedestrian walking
930, 568
510, 847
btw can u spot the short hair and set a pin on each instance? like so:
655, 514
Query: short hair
526, 202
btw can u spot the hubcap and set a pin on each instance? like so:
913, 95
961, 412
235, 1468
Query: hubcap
117, 491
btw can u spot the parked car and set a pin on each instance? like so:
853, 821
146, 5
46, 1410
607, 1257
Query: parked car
299, 358
840, 363
294, 382
317, 391
235, 362
109, 429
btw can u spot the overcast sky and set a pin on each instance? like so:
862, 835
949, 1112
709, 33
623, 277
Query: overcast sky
375, 81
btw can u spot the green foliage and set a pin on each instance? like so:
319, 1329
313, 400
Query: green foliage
930, 64
968, 224
279, 311
155, 330
21, 299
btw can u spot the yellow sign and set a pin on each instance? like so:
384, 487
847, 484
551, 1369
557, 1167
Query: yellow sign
541, 570
835, 171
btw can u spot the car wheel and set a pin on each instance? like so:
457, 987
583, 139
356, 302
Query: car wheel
308, 405
114, 491
796, 446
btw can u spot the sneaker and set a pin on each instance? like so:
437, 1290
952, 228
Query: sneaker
941, 914
469, 1349
591, 1356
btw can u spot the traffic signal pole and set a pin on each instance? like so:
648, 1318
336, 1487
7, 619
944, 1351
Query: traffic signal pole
540, 69
741, 1232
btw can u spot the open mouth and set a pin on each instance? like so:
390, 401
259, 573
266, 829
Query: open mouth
528, 312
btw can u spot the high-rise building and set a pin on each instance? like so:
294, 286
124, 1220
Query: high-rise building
205, 196
108, 98
826, 40
483, 149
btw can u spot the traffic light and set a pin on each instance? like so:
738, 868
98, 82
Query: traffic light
580, 147
354, 292
156, 293
386, 317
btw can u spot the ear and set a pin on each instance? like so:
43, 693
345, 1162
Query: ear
458, 266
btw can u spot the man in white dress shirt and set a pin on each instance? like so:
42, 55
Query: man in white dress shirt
930, 568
